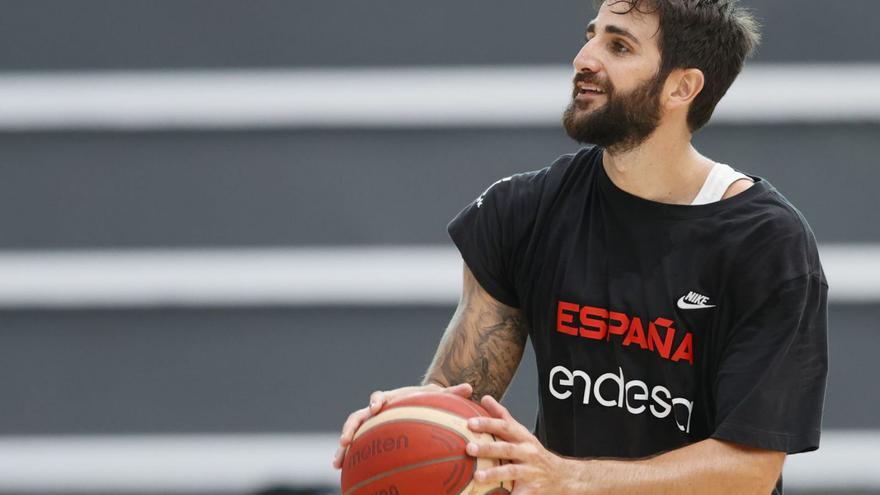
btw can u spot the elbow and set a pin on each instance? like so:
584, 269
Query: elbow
761, 470
757, 470
761, 480
769, 471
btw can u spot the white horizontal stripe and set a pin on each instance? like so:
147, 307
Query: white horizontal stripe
296, 277
241, 463
164, 463
424, 275
853, 272
399, 97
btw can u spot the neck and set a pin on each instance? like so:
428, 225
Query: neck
664, 168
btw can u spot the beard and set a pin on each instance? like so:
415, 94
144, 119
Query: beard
623, 123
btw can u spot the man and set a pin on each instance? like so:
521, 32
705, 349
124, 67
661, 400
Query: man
677, 308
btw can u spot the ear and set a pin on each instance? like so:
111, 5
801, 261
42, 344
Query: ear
683, 85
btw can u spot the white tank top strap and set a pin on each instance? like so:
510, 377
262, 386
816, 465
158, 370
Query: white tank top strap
717, 183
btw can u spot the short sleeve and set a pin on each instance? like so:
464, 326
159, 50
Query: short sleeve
490, 231
770, 385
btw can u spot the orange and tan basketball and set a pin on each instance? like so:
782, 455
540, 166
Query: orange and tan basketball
416, 446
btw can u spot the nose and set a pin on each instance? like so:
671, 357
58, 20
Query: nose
586, 61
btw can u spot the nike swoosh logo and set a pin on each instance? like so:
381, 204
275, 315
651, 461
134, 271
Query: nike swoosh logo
686, 305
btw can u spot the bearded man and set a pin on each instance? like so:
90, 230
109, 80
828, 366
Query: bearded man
676, 306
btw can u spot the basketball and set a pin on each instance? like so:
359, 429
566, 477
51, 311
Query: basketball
416, 445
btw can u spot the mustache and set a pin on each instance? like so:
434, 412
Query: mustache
592, 78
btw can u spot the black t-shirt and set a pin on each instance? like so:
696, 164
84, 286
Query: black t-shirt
656, 325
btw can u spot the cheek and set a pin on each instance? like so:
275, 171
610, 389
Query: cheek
624, 82
628, 73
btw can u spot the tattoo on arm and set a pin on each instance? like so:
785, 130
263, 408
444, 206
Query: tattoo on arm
482, 345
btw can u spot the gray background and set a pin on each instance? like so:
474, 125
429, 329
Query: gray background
285, 369
121, 34
278, 369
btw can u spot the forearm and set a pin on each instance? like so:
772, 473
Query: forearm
482, 345
486, 357
709, 466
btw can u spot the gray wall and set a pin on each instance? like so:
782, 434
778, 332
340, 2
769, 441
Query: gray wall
277, 369
266, 369
113, 34
79, 190
304, 369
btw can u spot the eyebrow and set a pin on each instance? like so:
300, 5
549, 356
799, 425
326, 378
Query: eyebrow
611, 28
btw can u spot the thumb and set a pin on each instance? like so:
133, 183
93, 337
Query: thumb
462, 389
377, 400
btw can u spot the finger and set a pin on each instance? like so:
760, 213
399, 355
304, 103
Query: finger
338, 457
377, 399
502, 428
507, 472
352, 424
495, 408
495, 450
522, 489
489, 425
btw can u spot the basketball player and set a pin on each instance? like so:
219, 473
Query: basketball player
677, 308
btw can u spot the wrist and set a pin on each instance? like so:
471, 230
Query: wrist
579, 477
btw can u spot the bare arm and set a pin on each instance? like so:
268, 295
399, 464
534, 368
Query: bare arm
708, 466
477, 356
482, 345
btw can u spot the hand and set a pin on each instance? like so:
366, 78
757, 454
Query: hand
534, 469
379, 399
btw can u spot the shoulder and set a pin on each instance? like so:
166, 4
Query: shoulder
559, 167
776, 238
562, 167
529, 186
737, 187
775, 211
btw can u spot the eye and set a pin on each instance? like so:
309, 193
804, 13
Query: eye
619, 47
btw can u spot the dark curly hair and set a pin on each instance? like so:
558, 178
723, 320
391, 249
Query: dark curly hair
715, 36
